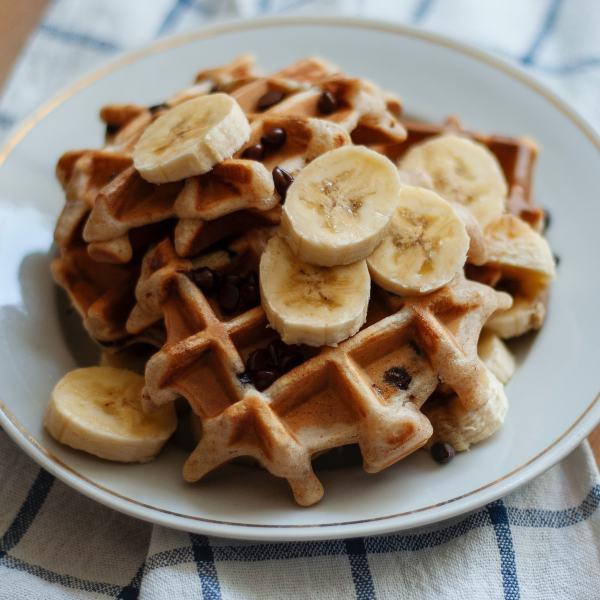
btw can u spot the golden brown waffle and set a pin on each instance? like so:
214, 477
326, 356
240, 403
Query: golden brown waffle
368, 390
516, 156
161, 263
237, 184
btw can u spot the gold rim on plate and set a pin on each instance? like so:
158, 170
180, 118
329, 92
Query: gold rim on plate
27, 125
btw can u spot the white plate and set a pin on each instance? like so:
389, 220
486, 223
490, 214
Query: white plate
551, 396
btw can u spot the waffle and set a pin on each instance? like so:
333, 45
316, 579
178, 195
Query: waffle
132, 253
368, 390
235, 185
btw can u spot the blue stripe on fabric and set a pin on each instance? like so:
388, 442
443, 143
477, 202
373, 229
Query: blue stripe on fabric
205, 563
82, 39
547, 25
499, 518
172, 16
27, 513
67, 581
556, 519
359, 566
421, 541
421, 10
386, 544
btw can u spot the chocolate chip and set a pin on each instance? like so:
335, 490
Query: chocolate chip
260, 360
112, 128
244, 378
556, 259
256, 152
229, 297
398, 377
290, 360
205, 279
327, 103
156, 107
282, 180
234, 280
442, 452
547, 220
276, 349
416, 348
274, 138
268, 99
263, 379
250, 293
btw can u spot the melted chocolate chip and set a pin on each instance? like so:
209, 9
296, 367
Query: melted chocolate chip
327, 103
256, 152
274, 138
282, 181
234, 280
276, 350
268, 99
205, 279
112, 128
156, 107
259, 360
249, 291
442, 452
290, 360
398, 377
263, 379
229, 297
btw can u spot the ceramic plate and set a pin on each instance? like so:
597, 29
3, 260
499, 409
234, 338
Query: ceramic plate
552, 397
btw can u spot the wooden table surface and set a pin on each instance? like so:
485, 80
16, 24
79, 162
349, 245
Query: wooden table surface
18, 18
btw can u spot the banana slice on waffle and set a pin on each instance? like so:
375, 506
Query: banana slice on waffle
425, 245
463, 171
190, 138
496, 356
98, 410
307, 304
337, 209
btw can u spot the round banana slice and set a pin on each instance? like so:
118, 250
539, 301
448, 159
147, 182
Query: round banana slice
98, 410
190, 138
425, 245
516, 247
461, 170
307, 304
338, 207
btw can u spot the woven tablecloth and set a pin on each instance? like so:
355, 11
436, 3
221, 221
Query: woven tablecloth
542, 541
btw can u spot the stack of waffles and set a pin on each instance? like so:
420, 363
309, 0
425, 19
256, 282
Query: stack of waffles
184, 230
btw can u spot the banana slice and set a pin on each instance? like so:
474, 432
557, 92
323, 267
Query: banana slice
98, 410
526, 314
338, 207
462, 170
190, 138
425, 245
496, 356
307, 304
519, 250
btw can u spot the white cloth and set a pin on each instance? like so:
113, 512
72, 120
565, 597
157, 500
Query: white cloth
542, 541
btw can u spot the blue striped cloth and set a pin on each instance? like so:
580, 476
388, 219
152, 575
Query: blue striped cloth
542, 541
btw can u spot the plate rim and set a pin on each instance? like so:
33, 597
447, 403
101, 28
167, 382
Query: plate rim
446, 509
